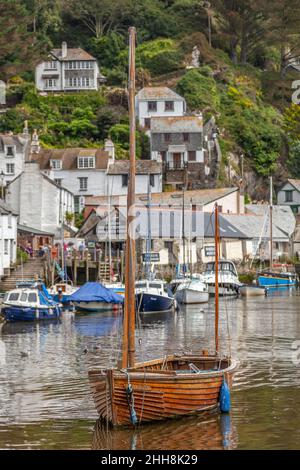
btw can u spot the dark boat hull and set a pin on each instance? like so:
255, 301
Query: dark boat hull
13, 314
147, 302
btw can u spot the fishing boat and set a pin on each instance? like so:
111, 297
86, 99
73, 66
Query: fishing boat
95, 297
116, 287
249, 290
192, 291
227, 279
166, 387
29, 302
153, 296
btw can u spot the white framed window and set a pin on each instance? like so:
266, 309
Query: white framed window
51, 83
56, 164
10, 168
86, 162
6, 245
10, 151
83, 184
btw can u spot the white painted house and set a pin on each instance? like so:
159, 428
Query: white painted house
289, 195
148, 173
158, 101
8, 237
13, 151
68, 69
40, 202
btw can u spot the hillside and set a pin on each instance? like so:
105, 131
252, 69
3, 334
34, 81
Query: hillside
247, 89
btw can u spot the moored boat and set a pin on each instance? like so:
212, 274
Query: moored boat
29, 303
248, 290
274, 279
228, 281
95, 297
153, 296
61, 292
192, 291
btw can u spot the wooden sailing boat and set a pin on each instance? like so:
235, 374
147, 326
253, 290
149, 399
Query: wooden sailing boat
168, 387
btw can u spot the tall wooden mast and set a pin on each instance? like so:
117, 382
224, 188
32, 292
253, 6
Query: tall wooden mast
216, 279
271, 223
129, 310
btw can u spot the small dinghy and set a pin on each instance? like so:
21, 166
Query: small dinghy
247, 290
95, 297
192, 291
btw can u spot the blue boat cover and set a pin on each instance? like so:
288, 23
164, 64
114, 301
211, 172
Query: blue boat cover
96, 292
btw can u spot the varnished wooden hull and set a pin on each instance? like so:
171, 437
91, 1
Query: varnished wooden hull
162, 389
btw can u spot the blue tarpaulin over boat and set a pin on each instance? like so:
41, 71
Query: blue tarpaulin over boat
96, 292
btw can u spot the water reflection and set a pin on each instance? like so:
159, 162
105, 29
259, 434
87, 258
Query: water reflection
214, 432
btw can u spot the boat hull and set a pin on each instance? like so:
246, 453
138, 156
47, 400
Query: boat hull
273, 281
13, 314
190, 296
225, 290
148, 302
159, 393
93, 306
252, 291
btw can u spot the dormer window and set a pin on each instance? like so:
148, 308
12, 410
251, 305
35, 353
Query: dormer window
86, 162
10, 151
56, 164
169, 105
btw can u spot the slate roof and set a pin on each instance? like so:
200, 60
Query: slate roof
72, 54
158, 93
175, 124
18, 141
69, 158
5, 209
143, 167
35, 231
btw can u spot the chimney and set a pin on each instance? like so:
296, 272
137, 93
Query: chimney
35, 144
25, 129
64, 50
110, 149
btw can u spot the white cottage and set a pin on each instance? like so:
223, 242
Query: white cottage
13, 152
289, 195
41, 203
8, 237
158, 101
68, 69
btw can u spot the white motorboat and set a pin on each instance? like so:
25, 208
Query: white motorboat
228, 280
61, 292
153, 296
192, 291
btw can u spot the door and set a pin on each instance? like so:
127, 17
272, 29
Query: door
176, 161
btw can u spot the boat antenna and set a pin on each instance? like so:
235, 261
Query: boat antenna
129, 310
216, 278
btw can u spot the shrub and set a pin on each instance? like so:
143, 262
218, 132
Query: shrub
199, 89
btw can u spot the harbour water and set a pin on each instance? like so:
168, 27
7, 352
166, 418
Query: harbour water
45, 401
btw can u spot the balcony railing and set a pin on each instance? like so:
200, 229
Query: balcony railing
175, 165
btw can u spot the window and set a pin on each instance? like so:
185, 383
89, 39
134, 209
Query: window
52, 65
14, 296
167, 137
76, 204
124, 180
23, 297
6, 247
147, 123
86, 162
83, 184
32, 297
50, 83
192, 156
186, 137
58, 181
56, 164
152, 106
10, 169
289, 196
9, 151
169, 106
152, 180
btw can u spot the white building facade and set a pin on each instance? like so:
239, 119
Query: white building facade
158, 101
39, 201
13, 151
68, 70
8, 237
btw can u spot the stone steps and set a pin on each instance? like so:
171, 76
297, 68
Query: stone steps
31, 269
